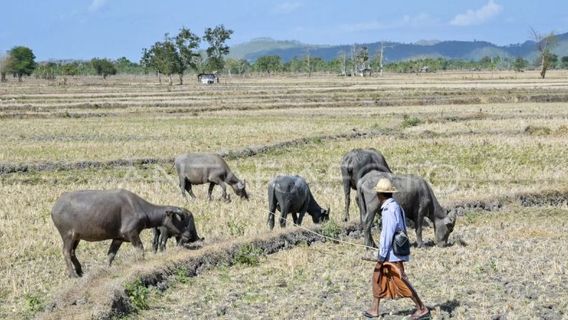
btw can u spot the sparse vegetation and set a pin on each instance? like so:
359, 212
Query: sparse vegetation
138, 294
248, 255
462, 154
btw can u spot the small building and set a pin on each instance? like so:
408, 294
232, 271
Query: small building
207, 78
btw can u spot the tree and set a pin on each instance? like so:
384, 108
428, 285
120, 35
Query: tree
173, 55
217, 49
163, 58
103, 67
564, 62
187, 44
3, 67
520, 64
21, 62
544, 45
361, 58
46, 71
124, 65
268, 64
234, 66
69, 70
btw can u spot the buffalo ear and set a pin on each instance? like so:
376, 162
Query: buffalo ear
169, 213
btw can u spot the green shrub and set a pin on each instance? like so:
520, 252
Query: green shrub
236, 228
248, 255
409, 121
33, 303
138, 294
181, 275
331, 229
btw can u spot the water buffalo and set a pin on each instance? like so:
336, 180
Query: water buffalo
162, 234
291, 194
416, 198
201, 168
355, 164
120, 215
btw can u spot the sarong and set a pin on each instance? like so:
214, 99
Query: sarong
390, 281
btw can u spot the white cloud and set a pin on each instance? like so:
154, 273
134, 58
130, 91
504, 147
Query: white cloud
96, 5
287, 7
479, 16
417, 21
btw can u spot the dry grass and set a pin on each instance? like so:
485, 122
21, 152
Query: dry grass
465, 152
501, 272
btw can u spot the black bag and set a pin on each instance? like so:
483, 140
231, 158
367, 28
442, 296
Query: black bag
401, 244
400, 241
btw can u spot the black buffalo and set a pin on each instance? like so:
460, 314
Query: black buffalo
417, 199
117, 215
291, 194
355, 164
162, 234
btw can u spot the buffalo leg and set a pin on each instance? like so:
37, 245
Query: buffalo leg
210, 191
134, 238
182, 187
114, 246
155, 240
361, 204
67, 253
367, 230
301, 218
223, 186
283, 215
271, 212
418, 228
163, 238
347, 192
295, 218
271, 219
75, 260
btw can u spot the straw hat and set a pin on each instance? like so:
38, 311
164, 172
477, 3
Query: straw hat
385, 186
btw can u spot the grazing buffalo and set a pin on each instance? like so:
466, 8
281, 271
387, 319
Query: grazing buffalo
117, 215
417, 199
355, 164
162, 234
201, 168
291, 194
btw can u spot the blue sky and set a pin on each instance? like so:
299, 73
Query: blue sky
83, 29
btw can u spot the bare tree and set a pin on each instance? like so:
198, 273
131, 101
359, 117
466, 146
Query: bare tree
382, 57
343, 57
544, 45
3, 67
308, 61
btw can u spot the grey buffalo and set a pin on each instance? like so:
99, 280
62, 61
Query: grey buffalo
416, 198
291, 194
355, 164
117, 215
201, 168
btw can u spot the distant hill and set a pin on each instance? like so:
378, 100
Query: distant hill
470, 50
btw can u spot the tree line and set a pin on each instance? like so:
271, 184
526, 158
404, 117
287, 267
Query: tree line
181, 54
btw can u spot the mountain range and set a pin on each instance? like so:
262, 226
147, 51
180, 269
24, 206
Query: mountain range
395, 51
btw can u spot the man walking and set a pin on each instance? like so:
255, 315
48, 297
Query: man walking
389, 279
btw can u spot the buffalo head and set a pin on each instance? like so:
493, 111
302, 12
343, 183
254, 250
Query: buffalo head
323, 216
241, 190
444, 226
182, 220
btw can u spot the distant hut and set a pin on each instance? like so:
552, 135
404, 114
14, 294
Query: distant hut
207, 78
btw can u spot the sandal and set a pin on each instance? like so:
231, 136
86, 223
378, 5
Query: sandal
368, 315
425, 316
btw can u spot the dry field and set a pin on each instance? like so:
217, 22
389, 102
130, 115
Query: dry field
480, 135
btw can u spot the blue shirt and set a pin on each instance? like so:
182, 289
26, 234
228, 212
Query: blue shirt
393, 220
